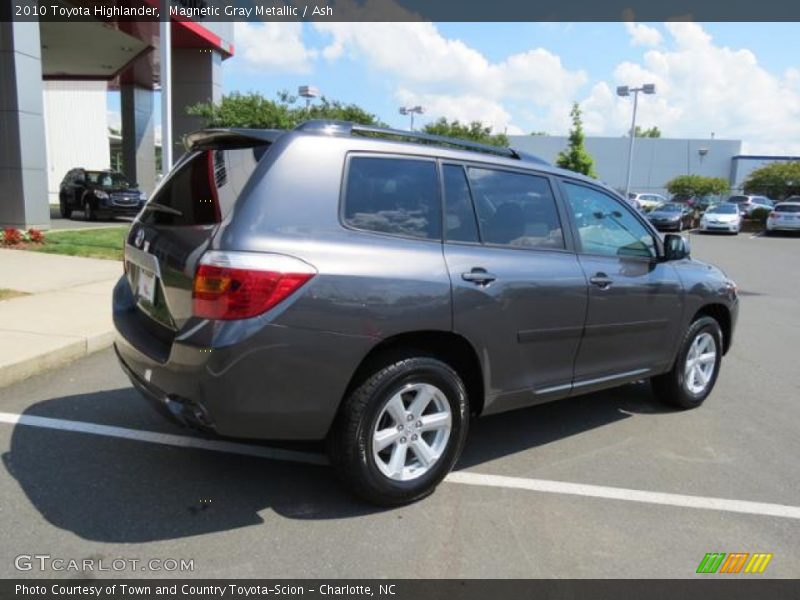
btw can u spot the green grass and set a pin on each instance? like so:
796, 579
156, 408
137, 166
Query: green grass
93, 243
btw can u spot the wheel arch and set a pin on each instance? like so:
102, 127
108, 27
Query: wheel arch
449, 347
722, 315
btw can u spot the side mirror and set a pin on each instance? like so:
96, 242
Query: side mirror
676, 247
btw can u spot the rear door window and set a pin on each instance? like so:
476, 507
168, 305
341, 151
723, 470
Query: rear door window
460, 223
515, 209
203, 189
398, 196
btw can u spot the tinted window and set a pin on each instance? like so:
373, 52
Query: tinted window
203, 189
393, 195
515, 209
460, 225
788, 208
607, 227
738, 199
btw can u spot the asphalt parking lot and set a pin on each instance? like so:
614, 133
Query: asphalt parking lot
77, 494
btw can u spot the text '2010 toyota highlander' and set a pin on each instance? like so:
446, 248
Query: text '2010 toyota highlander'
378, 288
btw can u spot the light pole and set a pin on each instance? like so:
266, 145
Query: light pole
624, 90
308, 92
411, 110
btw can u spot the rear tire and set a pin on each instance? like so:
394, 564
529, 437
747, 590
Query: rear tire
695, 371
382, 439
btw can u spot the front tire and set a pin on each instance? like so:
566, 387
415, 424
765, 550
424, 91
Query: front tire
400, 432
66, 211
88, 211
696, 367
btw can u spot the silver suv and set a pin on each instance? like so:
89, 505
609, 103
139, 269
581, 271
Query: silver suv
378, 289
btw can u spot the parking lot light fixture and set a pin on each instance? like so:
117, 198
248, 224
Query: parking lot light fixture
308, 92
411, 111
623, 91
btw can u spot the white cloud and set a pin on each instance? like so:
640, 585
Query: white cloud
643, 35
703, 88
449, 77
275, 47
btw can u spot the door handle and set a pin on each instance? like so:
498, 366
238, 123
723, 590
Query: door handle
601, 280
479, 275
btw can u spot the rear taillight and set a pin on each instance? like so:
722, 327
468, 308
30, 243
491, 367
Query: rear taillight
239, 285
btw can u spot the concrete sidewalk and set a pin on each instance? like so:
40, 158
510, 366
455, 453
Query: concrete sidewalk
67, 315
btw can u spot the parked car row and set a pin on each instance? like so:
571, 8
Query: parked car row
713, 214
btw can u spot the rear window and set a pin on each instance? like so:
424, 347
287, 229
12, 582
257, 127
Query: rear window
738, 199
393, 195
788, 208
203, 189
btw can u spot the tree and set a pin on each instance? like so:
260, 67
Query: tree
575, 157
777, 180
652, 132
474, 131
697, 185
253, 110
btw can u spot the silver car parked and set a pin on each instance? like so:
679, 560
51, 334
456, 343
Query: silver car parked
723, 217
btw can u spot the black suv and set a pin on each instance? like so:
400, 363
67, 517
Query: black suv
380, 288
99, 194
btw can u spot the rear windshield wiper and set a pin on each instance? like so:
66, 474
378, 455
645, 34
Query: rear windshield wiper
163, 208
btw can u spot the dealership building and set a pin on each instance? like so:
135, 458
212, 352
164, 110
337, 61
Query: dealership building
656, 160
54, 79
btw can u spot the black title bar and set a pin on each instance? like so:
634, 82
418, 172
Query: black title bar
402, 10
706, 588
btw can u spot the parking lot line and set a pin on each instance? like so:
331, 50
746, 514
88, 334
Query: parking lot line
458, 477
165, 439
613, 493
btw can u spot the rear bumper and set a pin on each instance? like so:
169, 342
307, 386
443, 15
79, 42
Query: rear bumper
783, 226
266, 381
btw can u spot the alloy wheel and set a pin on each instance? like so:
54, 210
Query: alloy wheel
701, 360
411, 432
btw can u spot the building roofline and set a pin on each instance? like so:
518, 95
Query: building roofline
763, 157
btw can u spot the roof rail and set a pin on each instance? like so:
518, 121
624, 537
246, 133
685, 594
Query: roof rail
349, 128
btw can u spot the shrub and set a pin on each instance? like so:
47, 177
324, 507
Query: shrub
759, 215
35, 235
11, 236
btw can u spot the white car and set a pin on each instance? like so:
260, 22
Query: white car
784, 217
722, 217
646, 201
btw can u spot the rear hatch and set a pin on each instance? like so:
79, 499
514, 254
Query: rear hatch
180, 221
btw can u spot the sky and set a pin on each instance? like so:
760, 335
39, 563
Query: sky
735, 80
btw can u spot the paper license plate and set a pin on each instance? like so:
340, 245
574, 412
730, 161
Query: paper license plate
147, 286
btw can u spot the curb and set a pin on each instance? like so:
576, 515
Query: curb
57, 357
